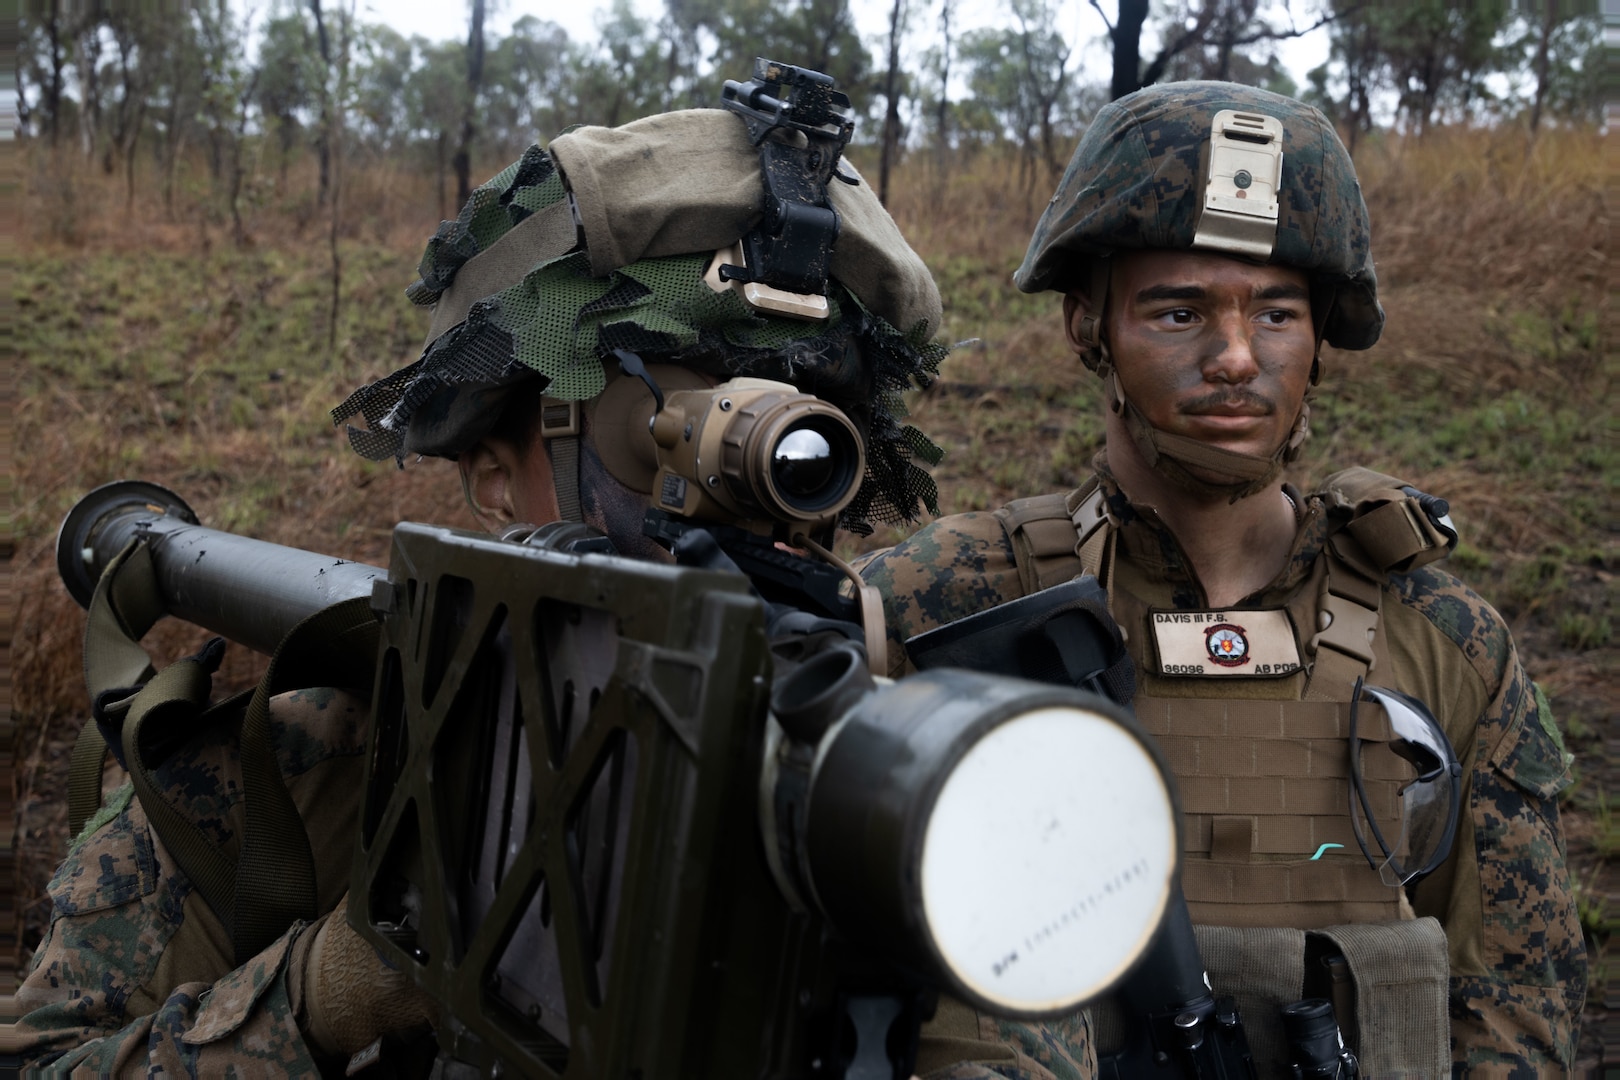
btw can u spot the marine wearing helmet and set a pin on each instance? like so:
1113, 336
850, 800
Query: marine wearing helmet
575, 289
1368, 778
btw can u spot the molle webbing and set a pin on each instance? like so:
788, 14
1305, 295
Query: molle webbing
1264, 784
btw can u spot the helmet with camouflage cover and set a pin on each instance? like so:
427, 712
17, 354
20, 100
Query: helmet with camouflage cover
1141, 178
599, 246
1210, 167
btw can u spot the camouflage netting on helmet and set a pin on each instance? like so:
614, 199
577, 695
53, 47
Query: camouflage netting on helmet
562, 324
1137, 180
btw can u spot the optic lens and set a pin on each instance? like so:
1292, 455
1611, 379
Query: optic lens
802, 463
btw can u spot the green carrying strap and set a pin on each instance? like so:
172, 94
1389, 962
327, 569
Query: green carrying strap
270, 881
125, 606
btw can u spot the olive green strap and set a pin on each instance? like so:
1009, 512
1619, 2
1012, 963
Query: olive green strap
175, 697
125, 606
275, 873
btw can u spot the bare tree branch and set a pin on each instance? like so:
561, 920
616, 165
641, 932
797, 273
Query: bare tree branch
1104, 15
1188, 38
1271, 34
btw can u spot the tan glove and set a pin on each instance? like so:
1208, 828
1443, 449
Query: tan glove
351, 997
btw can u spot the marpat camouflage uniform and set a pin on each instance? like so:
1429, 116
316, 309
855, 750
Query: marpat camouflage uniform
136, 974
1518, 963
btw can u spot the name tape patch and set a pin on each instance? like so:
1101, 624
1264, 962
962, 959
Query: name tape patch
1249, 644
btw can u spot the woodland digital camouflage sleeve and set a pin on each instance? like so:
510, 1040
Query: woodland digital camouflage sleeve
1517, 1015
950, 569
134, 976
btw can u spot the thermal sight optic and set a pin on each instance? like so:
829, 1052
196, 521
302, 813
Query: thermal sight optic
752, 450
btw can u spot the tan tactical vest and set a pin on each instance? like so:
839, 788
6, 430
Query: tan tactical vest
1262, 766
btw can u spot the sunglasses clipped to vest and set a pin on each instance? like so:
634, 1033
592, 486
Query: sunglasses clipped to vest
1429, 802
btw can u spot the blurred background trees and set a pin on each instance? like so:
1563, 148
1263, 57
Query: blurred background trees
141, 90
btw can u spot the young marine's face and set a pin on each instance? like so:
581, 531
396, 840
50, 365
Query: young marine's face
1210, 347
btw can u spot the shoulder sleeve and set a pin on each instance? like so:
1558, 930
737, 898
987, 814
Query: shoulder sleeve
950, 569
1517, 994
135, 976
86, 1003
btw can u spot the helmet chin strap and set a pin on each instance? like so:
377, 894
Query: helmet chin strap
1174, 456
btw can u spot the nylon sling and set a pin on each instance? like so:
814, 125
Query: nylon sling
268, 882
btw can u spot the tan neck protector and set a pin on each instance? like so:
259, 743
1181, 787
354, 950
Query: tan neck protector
1170, 455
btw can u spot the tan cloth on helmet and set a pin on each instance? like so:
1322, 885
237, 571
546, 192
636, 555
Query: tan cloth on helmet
658, 187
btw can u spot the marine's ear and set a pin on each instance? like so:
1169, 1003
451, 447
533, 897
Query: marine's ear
486, 480
1076, 309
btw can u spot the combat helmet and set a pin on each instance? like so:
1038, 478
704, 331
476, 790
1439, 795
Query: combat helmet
1223, 168
723, 241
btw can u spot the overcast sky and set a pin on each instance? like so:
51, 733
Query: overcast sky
1078, 21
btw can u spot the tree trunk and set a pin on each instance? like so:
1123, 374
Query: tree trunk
944, 107
442, 144
1549, 21
1127, 38
129, 154
323, 145
345, 34
52, 92
238, 230
891, 115
89, 64
173, 136
475, 81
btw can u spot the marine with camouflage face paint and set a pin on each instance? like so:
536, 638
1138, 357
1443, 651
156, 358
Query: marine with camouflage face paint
548, 274
1199, 280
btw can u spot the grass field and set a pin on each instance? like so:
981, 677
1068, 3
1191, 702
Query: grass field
157, 349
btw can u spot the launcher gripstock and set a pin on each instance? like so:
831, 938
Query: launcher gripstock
609, 844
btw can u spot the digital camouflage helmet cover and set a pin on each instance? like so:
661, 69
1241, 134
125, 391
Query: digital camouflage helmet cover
1140, 178
600, 244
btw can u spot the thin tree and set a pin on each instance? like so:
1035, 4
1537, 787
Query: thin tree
51, 97
323, 144
1549, 23
943, 108
891, 93
88, 59
1125, 34
339, 102
475, 79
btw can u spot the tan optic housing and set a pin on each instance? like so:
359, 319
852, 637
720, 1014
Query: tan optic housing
722, 453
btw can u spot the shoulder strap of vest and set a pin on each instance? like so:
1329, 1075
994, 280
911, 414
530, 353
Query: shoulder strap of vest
1396, 526
1388, 526
1056, 537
